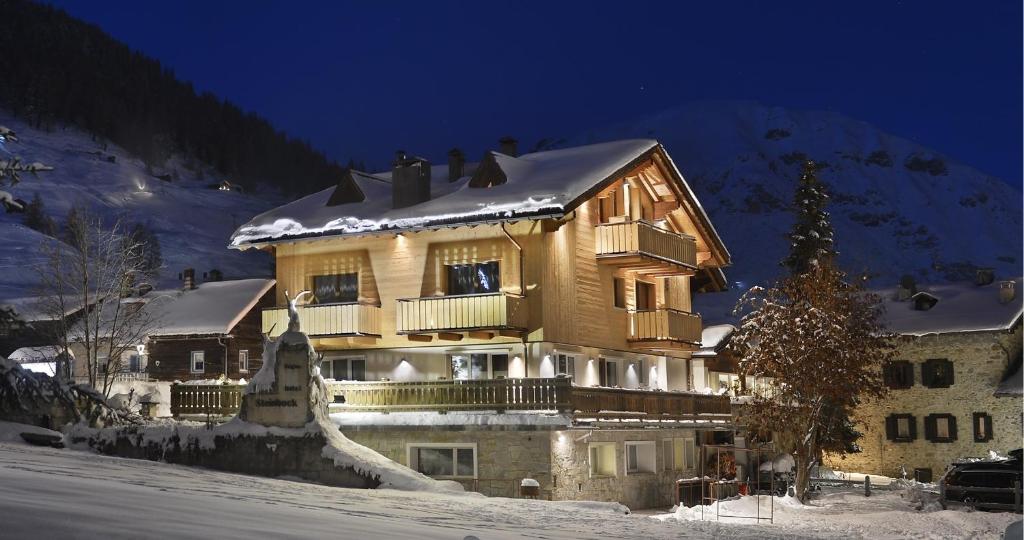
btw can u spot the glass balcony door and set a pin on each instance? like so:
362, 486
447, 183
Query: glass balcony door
478, 366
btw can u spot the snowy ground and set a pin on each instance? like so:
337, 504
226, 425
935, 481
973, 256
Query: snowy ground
58, 493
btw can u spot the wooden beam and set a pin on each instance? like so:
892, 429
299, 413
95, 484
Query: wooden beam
420, 337
449, 336
510, 333
481, 335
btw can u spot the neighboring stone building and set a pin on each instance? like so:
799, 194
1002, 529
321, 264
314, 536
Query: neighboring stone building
955, 387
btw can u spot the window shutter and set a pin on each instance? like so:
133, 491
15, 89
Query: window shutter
913, 427
887, 375
988, 427
952, 427
929, 427
890, 427
927, 373
908, 374
949, 372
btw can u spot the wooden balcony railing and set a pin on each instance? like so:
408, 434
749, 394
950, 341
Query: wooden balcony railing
664, 327
461, 313
539, 394
527, 394
206, 399
350, 319
633, 242
491, 394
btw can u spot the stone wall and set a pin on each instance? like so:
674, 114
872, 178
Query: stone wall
570, 467
296, 454
979, 362
504, 456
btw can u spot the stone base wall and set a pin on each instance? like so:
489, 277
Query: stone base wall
571, 468
264, 455
979, 362
504, 457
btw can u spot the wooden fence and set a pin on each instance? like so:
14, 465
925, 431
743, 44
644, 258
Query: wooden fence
206, 399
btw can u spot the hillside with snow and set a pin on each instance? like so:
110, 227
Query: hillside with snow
898, 207
192, 220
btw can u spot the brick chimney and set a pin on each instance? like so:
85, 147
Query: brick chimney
507, 146
1007, 292
410, 180
456, 164
188, 279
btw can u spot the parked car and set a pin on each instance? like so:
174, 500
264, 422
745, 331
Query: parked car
993, 484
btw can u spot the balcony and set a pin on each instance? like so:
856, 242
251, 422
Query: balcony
326, 320
645, 248
664, 330
599, 404
540, 394
479, 315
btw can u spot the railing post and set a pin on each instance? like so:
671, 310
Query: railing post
1017, 496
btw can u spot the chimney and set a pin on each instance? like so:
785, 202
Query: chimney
1007, 292
189, 279
507, 146
907, 288
456, 164
984, 276
410, 181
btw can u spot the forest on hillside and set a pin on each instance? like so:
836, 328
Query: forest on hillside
57, 69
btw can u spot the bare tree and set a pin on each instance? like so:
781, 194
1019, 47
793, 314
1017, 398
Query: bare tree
821, 344
10, 172
94, 274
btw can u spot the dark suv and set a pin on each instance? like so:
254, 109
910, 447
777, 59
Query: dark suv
984, 484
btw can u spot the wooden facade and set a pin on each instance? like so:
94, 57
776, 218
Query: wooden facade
169, 358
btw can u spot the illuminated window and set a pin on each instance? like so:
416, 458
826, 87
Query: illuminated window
602, 459
336, 288
479, 278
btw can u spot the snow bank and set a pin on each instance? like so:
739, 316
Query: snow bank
781, 463
10, 432
346, 453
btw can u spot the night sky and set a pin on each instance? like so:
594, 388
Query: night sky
363, 79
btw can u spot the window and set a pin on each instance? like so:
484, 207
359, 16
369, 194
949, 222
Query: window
608, 374
641, 372
640, 457
476, 366
982, 427
476, 278
900, 428
565, 365
602, 459
134, 363
937, 373
336, 288
619, 292
898, 374
243, 361
644, 296
940, 428
680, 453
443, 460
198, 361
344, 369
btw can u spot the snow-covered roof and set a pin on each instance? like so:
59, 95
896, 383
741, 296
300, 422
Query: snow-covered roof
31, 355
36, 308
712, 338
961, 307
212, 308
540, 184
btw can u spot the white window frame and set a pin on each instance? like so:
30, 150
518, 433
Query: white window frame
945, 424
599, 446
455, 459
490, 375
647, 463
243, 361
570, 364
903, 421
348, 367
192, 363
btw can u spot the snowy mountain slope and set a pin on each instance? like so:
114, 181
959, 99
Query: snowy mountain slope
192, 221
898, 208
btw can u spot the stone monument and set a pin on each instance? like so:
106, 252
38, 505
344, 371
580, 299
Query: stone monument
287, 391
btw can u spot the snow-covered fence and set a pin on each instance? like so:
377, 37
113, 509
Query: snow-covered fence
206, 399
